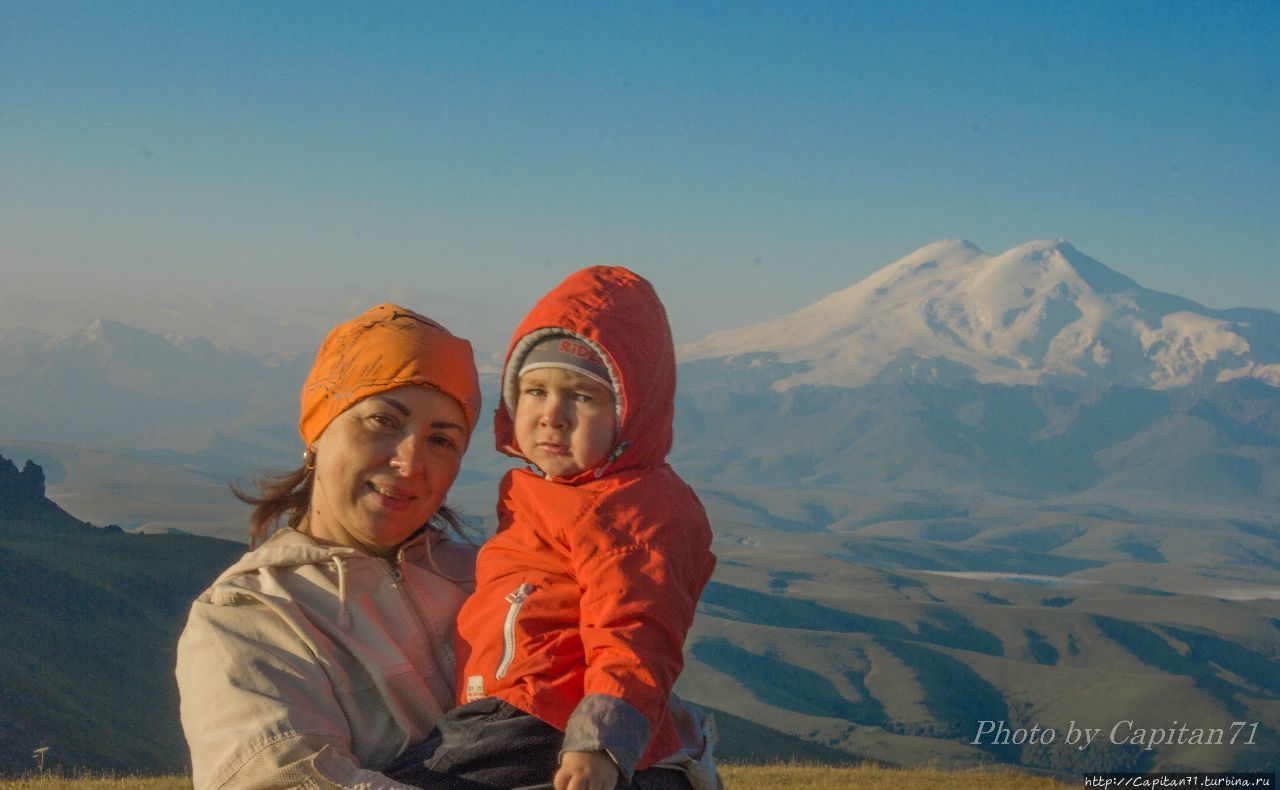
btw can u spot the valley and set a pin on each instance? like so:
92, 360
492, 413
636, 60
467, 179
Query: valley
904, 665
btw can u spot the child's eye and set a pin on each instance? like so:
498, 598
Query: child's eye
582, 397
535, 392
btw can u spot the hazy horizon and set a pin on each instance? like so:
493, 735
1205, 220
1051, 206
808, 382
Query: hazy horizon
253, 174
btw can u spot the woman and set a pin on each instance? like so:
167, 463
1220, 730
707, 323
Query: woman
327, 649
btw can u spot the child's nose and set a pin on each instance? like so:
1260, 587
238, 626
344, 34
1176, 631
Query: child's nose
555, 412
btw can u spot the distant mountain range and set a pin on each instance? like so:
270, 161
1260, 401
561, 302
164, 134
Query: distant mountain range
1041, 313
949, 382
1038, 372
113, 385
958, 384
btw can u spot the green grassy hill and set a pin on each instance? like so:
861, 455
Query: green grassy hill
904, 666
91, 620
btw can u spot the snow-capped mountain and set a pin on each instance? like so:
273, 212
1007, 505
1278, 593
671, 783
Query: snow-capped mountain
1041, 312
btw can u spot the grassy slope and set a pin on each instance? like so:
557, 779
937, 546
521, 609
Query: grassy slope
905, 668
736, 777
91, 623
843, 661
745, 741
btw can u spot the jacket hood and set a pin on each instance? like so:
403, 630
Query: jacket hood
619, 314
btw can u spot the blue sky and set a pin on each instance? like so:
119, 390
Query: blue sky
255, 171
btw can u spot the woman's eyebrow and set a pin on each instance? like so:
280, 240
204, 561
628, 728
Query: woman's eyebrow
406, 411
400, 407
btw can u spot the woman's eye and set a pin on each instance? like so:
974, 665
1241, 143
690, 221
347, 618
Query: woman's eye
383, 420
446, 442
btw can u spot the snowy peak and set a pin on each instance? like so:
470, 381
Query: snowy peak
1098, 277
103, 331
1041, 311
99, 330
106, 339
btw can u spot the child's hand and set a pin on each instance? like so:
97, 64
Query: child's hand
586, 771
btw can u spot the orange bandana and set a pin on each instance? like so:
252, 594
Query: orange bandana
381, 349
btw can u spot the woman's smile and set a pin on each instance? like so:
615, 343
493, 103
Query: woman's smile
392, 497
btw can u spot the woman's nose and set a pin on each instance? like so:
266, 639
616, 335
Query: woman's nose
409, 456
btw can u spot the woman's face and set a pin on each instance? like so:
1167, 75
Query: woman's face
383, 468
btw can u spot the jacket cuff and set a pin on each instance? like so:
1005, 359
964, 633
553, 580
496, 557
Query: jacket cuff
603, 722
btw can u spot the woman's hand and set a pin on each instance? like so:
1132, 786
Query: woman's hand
586, 771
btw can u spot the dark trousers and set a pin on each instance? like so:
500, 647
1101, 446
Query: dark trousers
489, 744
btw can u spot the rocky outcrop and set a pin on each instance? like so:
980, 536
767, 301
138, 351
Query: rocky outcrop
21, 486
22, 496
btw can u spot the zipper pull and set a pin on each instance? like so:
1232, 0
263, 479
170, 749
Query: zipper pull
516, 598
520, 593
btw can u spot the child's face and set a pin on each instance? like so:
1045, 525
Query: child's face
564, 421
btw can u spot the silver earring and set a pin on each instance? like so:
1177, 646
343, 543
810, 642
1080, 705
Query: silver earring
309, 458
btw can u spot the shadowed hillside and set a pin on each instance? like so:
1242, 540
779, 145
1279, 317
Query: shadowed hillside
91, 620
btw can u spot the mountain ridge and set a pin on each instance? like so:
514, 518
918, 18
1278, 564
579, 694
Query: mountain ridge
1040, 312
922, 419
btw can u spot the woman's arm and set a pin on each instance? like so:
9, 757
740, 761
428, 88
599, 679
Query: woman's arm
257, 706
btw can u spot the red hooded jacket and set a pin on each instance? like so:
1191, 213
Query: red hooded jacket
590, 584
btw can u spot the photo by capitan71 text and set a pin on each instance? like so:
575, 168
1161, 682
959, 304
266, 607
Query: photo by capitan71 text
1125, 732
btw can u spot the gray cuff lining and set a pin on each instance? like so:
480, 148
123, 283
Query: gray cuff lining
602, 722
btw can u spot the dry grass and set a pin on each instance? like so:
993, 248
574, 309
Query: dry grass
95, 781
868, 777
736, 777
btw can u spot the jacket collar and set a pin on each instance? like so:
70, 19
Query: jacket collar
288, 547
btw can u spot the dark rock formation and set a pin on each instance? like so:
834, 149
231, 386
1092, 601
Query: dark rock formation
22, 495
27, 485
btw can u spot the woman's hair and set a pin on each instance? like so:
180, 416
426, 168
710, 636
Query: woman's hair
288, 496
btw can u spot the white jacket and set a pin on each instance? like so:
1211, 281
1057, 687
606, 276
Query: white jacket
315, 666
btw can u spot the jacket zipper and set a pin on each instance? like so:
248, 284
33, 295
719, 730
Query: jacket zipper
397, 577
516, 598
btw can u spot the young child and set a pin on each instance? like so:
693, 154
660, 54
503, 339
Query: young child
570, 646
